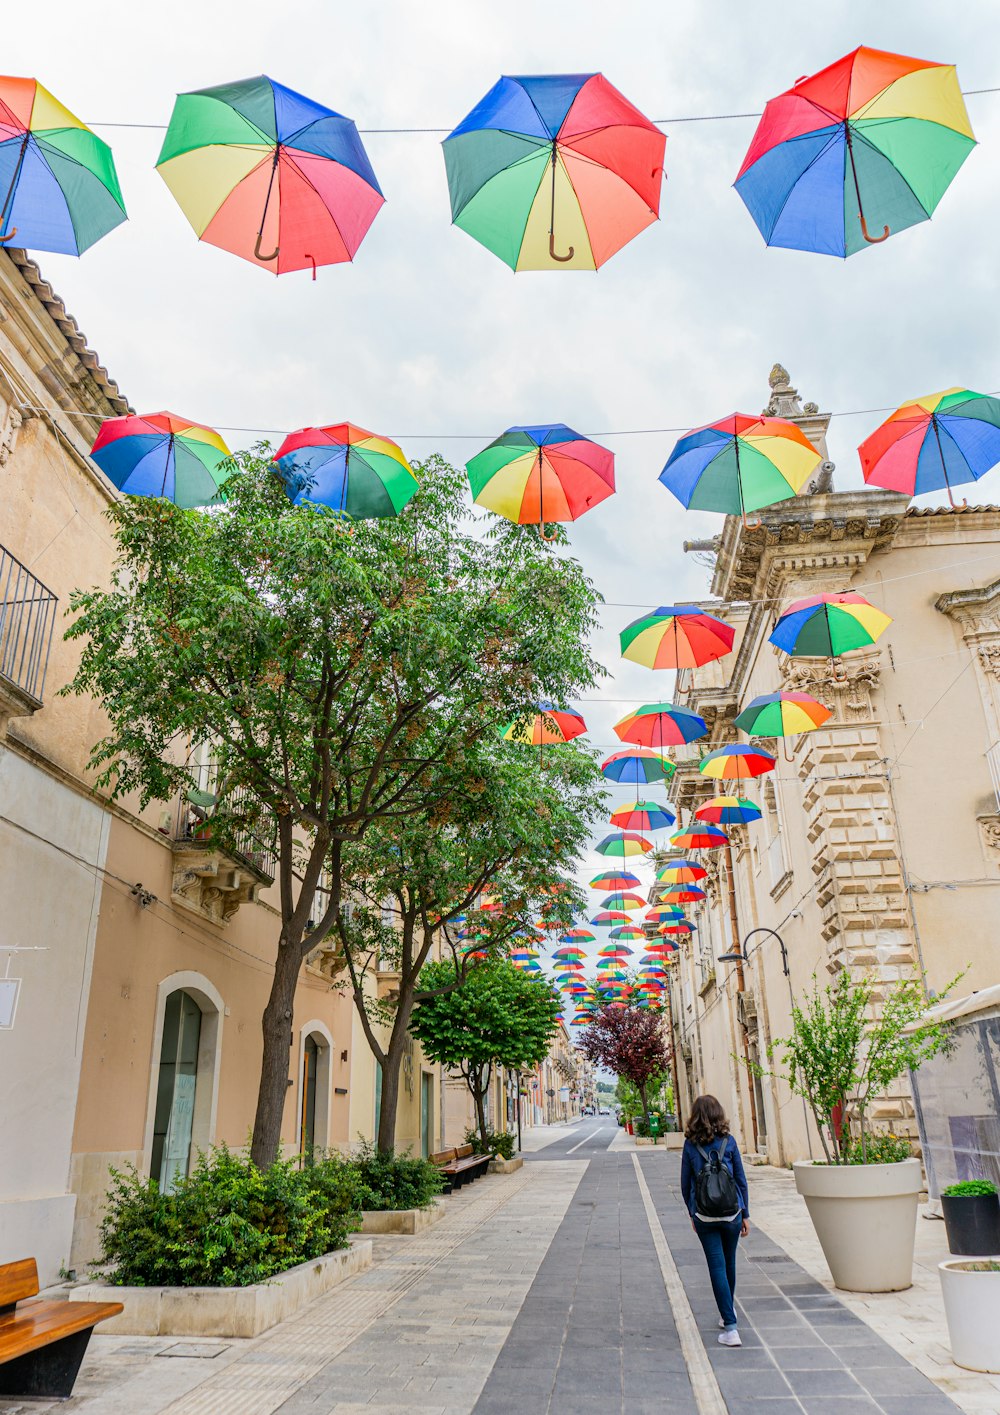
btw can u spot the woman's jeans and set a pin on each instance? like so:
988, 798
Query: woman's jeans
720, 1242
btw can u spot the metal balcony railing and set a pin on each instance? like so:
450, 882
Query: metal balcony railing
228, 817
27, 621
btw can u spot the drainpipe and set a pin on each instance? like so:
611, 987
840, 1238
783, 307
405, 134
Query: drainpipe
740, 987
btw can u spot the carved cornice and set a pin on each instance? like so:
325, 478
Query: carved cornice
211, 883
978, 612
846, 691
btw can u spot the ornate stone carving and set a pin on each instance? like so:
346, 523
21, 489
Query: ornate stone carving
989, 829
848, 690
989, 657
8, 435
210, 883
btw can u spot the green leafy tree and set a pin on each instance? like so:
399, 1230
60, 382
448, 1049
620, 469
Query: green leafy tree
499, 1016
848, 1047
337, 671
507, 829
629, 1041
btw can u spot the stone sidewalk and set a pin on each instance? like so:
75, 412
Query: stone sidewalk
573, 1285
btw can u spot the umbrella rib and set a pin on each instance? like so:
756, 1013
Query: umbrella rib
313, 188
878, 153
583, 157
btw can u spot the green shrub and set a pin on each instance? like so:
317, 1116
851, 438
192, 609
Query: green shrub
497, 1142
969, 1189
227, 1224
878, 1149
394, 1181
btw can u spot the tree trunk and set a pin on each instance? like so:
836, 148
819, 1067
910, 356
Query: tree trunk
645, 1106
276, 1026
478, 1085
389, 1107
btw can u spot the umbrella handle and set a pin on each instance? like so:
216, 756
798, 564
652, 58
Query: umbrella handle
9, 236
259, 253
552, 249
958, 505
872, 240
309, 257
547, 535
751, 525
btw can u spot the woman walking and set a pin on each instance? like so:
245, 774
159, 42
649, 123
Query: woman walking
714, 1187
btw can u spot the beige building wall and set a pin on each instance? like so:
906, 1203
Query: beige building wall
879, 846
102, 913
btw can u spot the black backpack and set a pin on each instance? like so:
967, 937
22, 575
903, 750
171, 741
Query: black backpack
715, 1190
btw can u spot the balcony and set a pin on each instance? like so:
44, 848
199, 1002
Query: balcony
222, 856
27, 621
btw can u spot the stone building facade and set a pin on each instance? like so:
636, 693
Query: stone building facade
879, 843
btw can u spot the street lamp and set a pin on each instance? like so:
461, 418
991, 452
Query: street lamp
742, 955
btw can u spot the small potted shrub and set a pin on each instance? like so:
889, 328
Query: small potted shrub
971, 1291
845, 1051
972, 1218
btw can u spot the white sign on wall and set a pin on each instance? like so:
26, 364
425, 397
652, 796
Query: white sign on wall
9, 990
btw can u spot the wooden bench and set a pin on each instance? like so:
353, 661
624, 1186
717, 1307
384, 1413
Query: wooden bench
42, 1344
460, 1164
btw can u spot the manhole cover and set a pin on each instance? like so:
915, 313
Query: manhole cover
200, 1351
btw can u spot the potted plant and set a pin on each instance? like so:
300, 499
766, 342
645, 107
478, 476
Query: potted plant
971, 1291
972, 1217
845, 1051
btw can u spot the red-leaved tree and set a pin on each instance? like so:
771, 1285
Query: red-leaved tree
628, 1041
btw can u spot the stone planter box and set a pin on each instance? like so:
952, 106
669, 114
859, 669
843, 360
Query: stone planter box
502, 1166
375, 1221
225, 1311
865, 1218
672, 1140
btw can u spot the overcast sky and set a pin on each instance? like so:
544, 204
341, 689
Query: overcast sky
430, 339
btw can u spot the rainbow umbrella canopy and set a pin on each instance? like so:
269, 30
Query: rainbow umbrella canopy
550, 724
642, 815
356, 472
740, 464
637, 767
58, 185
827, 625
269, 175
934, 443
733, 763
676, 636
161, 454
660, 725
728, 810
700, 836
781, 715
624, 845
680, 871
865, 147
534, 475
554, 171
624, 900
615, 879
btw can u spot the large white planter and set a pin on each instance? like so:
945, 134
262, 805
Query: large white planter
972, 1307
225, 1311
865, 1218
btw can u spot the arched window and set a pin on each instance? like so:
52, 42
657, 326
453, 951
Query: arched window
314, 1090
187, 1042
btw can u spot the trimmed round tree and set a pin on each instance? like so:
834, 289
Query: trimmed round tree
630, 1042
497, 1016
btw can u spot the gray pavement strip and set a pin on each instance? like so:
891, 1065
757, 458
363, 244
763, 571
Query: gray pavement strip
703, 1381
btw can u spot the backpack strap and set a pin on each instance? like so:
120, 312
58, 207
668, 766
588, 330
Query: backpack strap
702, 1153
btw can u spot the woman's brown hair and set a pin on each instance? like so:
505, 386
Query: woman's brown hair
707, 1120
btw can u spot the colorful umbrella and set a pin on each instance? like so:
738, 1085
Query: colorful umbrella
782, 715
660, 725
358, 473
659, 913
935, 442
554, 171
700, 836
629, 900
736, 763
642, 815
269, 175
872, 141
615, 879
628, 933
681, 872
827, 625
676, 927
59, 182
728, 810
550, 724
638, 767
624, 844
161, 454
534, 475
615, 950
676, 636
682, 894
576, 936
740, 464
609, 916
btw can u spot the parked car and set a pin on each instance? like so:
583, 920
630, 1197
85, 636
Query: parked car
587, 1110
604, 1110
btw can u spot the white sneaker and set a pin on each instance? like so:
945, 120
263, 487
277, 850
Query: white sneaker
730, 1337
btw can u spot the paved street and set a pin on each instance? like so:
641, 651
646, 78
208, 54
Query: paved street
573, 1285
